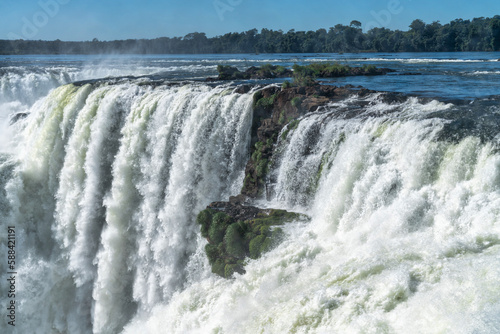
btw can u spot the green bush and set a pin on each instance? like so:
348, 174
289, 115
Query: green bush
219, 268
369, 68
266, 245
259, 145
234, 242
218, 227
335, 70
304, 81
256, 156
256, 97
261, 169
286, 84
281, 119
230, 269
279, 69
290, 127
266, 70
266, 102
293, 124
212, 253
255, 246
204, 218
296, 101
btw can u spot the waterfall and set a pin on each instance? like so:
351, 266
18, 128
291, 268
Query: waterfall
404, 236
104, 181
105, 192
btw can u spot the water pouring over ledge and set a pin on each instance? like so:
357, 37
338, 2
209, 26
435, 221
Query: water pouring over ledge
108, 180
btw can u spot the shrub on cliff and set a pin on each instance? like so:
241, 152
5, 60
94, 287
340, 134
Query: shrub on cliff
231, 241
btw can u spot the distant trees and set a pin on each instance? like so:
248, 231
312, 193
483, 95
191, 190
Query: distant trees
479, 34
355, 24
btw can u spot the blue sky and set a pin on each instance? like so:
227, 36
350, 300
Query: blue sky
79, 20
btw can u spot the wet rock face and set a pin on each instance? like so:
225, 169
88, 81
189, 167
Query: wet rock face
17, 117
235, 232
274, 108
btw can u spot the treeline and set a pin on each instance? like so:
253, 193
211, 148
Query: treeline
479, 34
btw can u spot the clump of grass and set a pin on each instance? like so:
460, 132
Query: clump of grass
265, 102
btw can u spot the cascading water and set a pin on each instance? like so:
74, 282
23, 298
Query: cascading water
404, 236
104, 181
105, 194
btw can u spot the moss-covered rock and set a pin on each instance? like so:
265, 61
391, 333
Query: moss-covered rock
236, 231
303, 75
230, 73
266, 71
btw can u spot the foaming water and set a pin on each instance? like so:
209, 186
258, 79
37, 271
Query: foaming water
103, 182
404, 237
105, 193
28, 84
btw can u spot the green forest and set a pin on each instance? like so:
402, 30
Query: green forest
479, 34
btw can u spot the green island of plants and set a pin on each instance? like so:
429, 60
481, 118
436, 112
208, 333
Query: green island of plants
266, 71
303, 75
231, 241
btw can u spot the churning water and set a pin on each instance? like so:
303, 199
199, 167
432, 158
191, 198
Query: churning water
103, 180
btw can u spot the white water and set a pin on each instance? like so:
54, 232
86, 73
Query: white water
27, 84
404, 237
105, 194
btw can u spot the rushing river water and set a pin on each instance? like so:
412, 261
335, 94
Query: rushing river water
105, 162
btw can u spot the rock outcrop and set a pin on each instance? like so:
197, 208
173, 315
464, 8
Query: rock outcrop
314, 70
275, 108
236, 231
267, 71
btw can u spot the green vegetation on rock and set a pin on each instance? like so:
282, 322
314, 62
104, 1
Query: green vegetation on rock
296, 101
265, 102
290, 127
264, 72
230, 73
261, 162
305, 75
231, 241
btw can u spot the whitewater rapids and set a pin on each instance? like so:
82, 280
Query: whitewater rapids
106, 180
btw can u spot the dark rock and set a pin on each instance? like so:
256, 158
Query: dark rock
17, 117
235, 209
409, 73
274, 108
267, 71
243, 89
391, 98
230, 73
